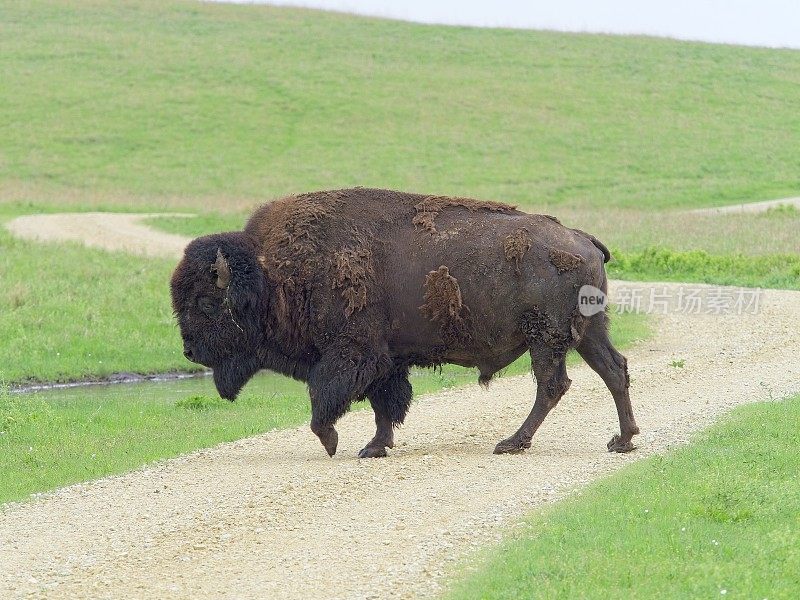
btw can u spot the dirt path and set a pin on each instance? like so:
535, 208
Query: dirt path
274, 517
111, 231
748, 208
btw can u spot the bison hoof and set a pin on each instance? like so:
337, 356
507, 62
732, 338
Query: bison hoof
328, 437
372, 452
617, 445
511, 446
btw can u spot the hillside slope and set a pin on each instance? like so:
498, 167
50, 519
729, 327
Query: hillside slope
173, 100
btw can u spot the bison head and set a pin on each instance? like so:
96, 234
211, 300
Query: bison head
218, 290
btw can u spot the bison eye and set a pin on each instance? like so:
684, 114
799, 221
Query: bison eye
207, 305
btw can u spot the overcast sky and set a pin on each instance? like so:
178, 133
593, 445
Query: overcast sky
773, 23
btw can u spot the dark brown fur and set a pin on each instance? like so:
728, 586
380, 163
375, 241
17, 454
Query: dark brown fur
347, 289
353, 271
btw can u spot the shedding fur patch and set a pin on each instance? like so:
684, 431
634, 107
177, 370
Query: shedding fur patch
516, 245
564, 261
293, 238
444, 305
540, 327
429, 207
293, 235
352, 270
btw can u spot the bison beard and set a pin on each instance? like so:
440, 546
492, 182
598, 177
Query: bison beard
232, 375
345, 290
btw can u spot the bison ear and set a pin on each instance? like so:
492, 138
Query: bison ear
223, 271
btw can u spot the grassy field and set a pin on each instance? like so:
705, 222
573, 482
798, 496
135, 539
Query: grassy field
170, 103
631, 230
718, 518
780, 271
56, 438
53, 439
68, 312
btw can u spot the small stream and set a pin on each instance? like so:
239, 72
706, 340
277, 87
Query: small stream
155, 390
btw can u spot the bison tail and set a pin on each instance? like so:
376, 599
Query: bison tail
597, 243
602, 247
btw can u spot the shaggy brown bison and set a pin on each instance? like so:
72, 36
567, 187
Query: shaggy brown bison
347, 289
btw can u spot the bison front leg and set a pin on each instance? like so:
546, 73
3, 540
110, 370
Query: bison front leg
338, 379
329, 401
390, 399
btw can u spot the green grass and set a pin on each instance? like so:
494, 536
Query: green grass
720, 514
59, 437
660, 264
167, 102
632, 230
202, 224
68, 312
783, 211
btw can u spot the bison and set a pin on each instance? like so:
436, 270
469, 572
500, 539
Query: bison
348, 289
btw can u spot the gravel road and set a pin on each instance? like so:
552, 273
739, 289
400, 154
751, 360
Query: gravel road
274, 517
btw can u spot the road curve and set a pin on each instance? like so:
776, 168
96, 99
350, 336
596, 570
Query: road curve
122, 232
748, 207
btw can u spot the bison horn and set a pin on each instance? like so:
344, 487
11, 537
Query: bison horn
223, 271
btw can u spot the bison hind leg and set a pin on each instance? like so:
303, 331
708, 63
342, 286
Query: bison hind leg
390, 399
551, 384
599, 353
549, 339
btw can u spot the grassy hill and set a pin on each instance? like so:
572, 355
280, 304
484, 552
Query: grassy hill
164, 103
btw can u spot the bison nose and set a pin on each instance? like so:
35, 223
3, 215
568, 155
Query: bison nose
187, 352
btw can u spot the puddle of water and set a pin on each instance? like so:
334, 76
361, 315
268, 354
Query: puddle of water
169, 391
117, 379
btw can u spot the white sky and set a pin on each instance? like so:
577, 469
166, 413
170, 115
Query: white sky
773, 23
